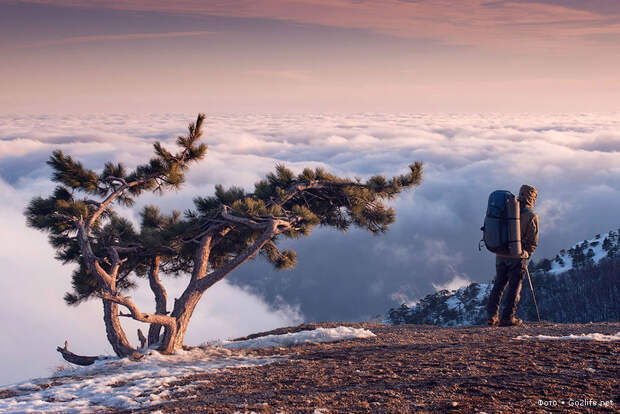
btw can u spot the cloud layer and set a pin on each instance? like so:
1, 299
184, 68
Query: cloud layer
574, 161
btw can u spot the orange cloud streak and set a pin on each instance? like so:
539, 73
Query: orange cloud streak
130, 36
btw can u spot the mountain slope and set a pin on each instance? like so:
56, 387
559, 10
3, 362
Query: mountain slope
418, 369
581, 284
379, 369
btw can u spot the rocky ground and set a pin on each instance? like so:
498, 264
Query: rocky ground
414, 368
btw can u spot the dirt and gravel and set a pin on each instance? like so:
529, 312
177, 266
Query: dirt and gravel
418, 369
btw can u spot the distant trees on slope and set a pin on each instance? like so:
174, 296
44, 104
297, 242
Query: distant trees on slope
588, 293
582, 254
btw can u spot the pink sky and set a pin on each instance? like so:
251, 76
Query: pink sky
310, 55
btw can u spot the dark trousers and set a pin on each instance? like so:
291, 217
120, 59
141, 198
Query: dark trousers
509, 272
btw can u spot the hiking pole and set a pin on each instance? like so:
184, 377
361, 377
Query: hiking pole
533, 296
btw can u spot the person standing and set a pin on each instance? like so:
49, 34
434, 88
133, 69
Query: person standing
511, 271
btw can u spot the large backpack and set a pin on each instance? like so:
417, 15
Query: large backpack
501, 231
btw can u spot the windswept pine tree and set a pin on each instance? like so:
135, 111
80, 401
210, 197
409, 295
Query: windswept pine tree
220, 233
84, 228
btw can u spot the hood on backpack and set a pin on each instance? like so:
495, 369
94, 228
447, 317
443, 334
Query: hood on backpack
527, 195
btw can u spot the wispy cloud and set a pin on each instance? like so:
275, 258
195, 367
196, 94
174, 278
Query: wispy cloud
471, 22
118, 37
458, 281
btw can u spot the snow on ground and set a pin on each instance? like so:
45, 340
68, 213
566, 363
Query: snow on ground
454, 302
581, 337
459, 300
484, 291
121, 383
317, 335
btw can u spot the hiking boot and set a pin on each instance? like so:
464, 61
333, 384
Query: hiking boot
493, 321
511, 322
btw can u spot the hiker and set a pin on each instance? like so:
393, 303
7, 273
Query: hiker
512, 271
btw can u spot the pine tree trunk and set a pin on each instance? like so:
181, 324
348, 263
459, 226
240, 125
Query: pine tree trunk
200, 282
183, 310
160, 300
185, 305
114, 330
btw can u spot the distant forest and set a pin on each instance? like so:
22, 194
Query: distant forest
589, 293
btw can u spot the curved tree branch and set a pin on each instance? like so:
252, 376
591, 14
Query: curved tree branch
269, 232
167, 321
295, 189
87, 252
241, 220
159, 291
109, 199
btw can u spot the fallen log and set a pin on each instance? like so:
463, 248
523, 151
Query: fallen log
77, 359
89, 360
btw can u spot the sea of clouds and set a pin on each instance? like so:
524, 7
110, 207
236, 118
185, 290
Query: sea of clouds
574, 161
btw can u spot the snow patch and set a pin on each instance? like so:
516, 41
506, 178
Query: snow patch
339, 333
120, 383
126, 384
581, 337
